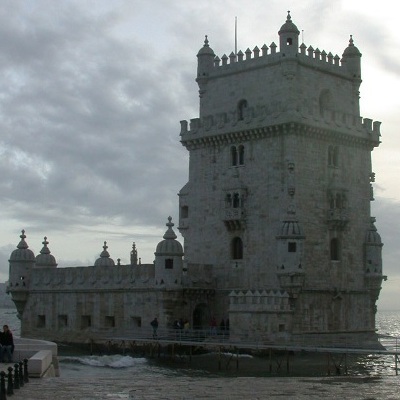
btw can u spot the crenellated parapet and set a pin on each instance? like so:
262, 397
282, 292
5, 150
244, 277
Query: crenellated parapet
93, 278
263, 119
259, 300
255, 58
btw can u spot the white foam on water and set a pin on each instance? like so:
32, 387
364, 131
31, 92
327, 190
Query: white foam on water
108, 361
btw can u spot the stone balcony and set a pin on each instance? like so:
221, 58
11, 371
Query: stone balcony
234, 218
337, 218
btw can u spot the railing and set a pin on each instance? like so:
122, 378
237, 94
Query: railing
175, 335
390, 343
314, 342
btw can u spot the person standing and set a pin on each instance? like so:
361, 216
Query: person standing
7, 345
154, 324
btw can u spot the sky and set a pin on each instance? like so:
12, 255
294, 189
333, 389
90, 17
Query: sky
92, 92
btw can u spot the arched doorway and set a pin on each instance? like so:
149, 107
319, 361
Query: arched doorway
201, 316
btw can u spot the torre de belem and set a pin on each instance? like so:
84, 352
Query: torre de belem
275, 216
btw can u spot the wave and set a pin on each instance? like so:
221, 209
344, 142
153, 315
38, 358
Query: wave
113, 361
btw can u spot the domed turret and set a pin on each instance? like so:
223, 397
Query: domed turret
168, 261
22, 261
169, 246
351, 60
372, 236
45, 259
104, 260
288, 37
205, 63
290, 242
22, 252
373, 250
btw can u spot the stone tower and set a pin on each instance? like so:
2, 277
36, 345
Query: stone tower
277, 205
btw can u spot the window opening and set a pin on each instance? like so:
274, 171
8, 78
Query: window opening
334, 249
234, 156
237, 248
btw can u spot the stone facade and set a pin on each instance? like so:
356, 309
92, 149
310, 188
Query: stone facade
275, 215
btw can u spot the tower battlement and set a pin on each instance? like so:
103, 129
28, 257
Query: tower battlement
268, 55
262, 117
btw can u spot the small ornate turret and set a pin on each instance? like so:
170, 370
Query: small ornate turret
205, 63
45, 259
22, 261
104, 260
373, 261
351, 60
288, 37
290, 241
134, 257
169, 258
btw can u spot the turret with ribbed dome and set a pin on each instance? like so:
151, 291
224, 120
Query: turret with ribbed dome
45, 259
22, 252
351, 60
205, 63
104, 260
288, 37
168, 261
373, 249
169, 246
22, 261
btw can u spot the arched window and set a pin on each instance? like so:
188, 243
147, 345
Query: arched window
237, 249
334, 249
241, 155
241, 108
234, 156
289, 41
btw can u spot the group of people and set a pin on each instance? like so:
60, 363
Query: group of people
182, 324
185, 325
223, 326
6, 345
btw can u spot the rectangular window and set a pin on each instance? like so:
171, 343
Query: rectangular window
281, 327
109, 321
184, 212
62, 321
292, 247
41, 321
169, 263
86, 321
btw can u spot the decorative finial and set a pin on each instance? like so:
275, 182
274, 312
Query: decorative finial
45, 242
22, 244
169, 223
105, 247
170, 234
351, 41
289, 18
45, 249
206, 41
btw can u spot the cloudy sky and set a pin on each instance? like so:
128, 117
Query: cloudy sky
92, 92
